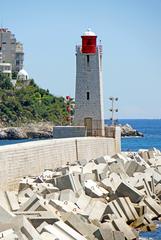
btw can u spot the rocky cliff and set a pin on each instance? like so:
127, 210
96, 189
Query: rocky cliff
39, 130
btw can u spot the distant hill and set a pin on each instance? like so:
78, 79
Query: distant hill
26, 104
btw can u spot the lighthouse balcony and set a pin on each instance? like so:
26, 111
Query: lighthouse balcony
78, 48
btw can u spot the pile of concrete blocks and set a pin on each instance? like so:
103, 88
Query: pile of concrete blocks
108, 198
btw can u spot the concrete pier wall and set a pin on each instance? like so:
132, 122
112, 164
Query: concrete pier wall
31, 158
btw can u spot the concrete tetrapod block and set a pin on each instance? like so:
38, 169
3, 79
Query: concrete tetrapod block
157, 190
82, 162
67, 230
13, 200
132, 208
57, 233
126, 208
45, 188
118, 235
67, 194
47, 236
83, 201
34, 203
79, 224
89, 167
97, 210
25, 183
119, 169
4, 201
127, 190
101, 171
47, 175
113, 207
93, 190
5, 215
107, 184
141, 161
115, 180
144, 155
133, 166
92, 207
24, 229
154, 173
147, 188
142, 221
153, 205
70, 181
66, 206
107, 232
120, 158
151, 153
100, 160
123, 207
8, 235
41, 226
86, 176
27, 193
120, 225
53, 196
40, 217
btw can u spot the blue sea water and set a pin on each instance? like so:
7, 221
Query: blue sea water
151, 128
156, 235
8, 142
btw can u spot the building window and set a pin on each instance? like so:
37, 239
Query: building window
88, 96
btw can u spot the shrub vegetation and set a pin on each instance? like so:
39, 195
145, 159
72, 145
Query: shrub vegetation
26, 104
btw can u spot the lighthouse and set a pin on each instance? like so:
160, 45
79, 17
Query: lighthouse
89, 89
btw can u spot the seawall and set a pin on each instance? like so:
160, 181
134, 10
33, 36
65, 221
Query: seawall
31, 158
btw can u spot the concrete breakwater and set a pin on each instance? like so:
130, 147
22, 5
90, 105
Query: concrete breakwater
31, 158
102, 198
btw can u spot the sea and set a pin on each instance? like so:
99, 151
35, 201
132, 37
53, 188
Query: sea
151, 128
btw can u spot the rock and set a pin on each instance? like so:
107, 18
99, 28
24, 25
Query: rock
12, 133
127, 130
38, 130
3, 134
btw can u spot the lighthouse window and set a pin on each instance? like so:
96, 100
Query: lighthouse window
87, 95
87, 59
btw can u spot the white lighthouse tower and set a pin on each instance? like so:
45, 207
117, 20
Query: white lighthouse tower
89, 92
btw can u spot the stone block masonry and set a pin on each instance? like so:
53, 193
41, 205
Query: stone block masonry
31, 158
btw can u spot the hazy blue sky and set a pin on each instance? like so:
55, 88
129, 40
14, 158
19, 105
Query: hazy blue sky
130, 31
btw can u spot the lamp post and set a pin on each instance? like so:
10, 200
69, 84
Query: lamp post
113, 109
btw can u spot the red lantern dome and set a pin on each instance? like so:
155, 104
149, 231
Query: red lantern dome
89, 42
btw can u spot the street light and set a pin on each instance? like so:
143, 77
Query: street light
112, 109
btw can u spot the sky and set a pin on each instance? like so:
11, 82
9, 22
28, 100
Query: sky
130, 32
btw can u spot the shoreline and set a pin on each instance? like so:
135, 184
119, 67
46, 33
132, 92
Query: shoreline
44, 130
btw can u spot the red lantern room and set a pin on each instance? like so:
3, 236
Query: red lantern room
89, 42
